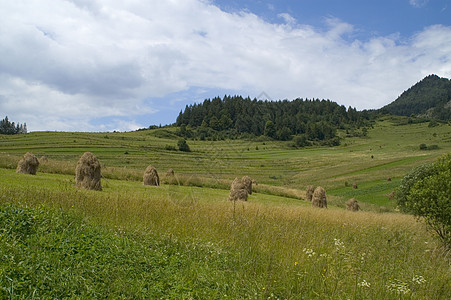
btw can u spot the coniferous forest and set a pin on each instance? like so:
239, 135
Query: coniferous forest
304, 121
7, 127
429, 98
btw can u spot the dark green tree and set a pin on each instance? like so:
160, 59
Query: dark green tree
183, 145
270, 129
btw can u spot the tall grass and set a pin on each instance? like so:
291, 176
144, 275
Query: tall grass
286, 251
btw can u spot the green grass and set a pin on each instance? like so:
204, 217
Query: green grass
388, 151
185, 240
133, 241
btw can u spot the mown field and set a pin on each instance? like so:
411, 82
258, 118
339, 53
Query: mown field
389, 151
185, 240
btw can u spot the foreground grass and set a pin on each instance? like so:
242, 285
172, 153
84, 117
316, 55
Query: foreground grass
131, 241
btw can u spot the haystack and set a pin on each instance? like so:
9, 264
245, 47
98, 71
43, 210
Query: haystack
309, 192
28, 164
354, 186
87, 172
150, 176
247, 181
319, 198
238, 191
170, 173
391, 196
352, 205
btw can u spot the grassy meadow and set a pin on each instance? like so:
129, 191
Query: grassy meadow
185, 240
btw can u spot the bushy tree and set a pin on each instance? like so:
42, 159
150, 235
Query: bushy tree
183, 145
426, 193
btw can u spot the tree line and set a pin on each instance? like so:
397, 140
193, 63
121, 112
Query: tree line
7, 127
299, 120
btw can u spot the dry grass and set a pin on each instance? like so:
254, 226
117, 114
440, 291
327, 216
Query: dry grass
238, 191
28, 164
247, 181
352, 205
319, 198
309, 193
88, 172
151, 177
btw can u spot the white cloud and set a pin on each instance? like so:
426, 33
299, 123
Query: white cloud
287, 18
66, 63
418, 3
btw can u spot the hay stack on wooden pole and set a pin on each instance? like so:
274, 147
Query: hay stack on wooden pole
247, 181
352, 205
238, 191
319, 198
309, 193
170, 173
87, 172
28, 164
151, 177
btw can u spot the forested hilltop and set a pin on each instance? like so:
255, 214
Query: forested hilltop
429, 98
304, 121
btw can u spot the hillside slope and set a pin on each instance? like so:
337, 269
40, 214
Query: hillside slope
431, 98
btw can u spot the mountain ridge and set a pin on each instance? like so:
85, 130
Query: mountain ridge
429, 98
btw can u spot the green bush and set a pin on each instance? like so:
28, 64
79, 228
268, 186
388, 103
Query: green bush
426, 193
183, 145
301, 141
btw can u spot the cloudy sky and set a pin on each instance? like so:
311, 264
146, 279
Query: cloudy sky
103, 65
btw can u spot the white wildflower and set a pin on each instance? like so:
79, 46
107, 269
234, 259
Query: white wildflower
398, 287
418, 279
308, 252
364, 283
339, 244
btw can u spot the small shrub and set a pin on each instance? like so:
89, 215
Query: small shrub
301, 141
433, 123
423, 147
183, 145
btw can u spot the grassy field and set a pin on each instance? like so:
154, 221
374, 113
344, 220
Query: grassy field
185, 240
388, 151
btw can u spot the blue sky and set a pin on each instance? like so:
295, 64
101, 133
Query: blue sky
372, 18
98, 65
